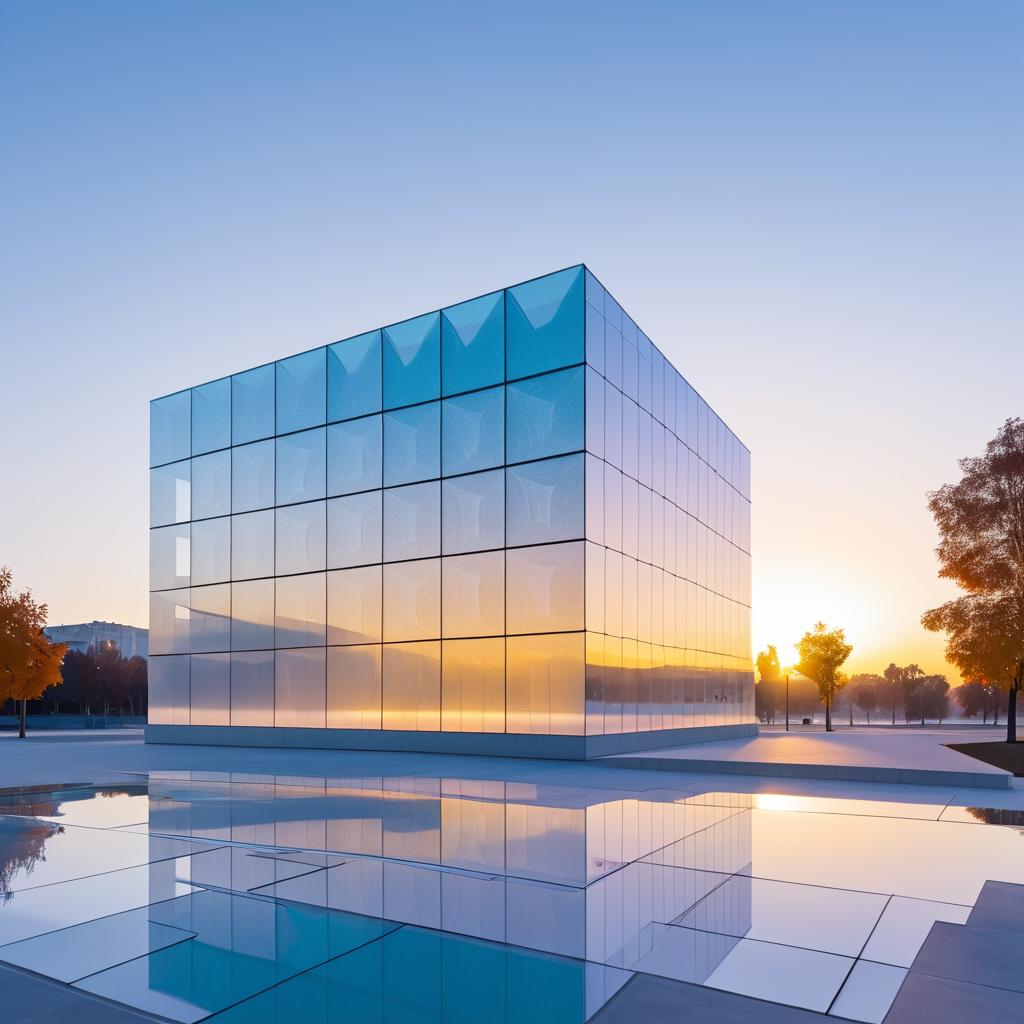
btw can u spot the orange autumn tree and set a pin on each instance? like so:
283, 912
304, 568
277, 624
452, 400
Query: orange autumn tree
29, 663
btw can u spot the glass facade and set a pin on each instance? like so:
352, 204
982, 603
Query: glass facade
510, 516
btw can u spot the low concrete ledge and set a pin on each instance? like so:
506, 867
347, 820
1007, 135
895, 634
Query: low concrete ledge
565, 748
988, 779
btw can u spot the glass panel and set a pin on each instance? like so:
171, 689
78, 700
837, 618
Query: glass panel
210, 618
169, 690
412, 600
252, 545
252, 615
412, 361
473, 595
301, 538
168, 622
354, 376
211, 689
412, 685
545, 323
473, 685
473, 344
544, 501
300, 688
354, 530
473, 512
354, 687
473, 429
211, 416
211, 485
545, 416
170, 491
300, 612
545, 684
302, 391
595, 337
544, 588
412, 521
412, 444
302, 466
354, 456
170, 428
354, 605
252, 688
595, 387
252, 404
252, 476
170, 557
594, 500
211, 551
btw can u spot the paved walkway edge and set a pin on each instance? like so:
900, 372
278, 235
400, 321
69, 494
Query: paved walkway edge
987, 779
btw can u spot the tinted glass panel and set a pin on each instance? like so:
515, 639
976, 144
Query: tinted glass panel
412, 361
252, 476
412, 686
252, 615
412, 600
545, 684
170, 557
544, 588
354, 456
169, 690
412, 444
412, 521
300, 688
301, 539
169, 618
170, 491
354, 687
473, 595
252, 404
211, 551
210, 615
354, 376
252, 688
170, 428
544, 501
545, 323
473, 685
545, 416
473, 432
473, 344
301, 466
211, 485
211, 689
252, 545
300, 611
473, 512
302, 391
354, 605
354, 530
211, 416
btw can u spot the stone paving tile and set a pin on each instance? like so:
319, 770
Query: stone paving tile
1000, 905
982, 956
28, 999
927, 1000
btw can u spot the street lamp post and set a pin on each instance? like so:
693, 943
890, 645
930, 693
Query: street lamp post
787, 702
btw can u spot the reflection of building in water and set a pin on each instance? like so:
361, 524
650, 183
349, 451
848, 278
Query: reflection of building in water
549, 869
509, 526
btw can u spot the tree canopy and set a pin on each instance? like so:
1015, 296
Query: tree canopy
822, 651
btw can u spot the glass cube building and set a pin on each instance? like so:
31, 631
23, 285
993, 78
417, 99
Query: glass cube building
509, 526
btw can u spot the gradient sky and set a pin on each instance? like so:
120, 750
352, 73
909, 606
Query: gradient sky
814, 208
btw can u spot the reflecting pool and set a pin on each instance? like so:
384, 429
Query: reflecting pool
243, 899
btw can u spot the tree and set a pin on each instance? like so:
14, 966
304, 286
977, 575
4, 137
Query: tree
981, 548
910, 685
768, 692
864, 692
29, 663
822, 651
890, 689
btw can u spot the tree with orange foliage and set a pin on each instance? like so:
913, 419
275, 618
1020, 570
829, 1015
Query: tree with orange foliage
29, 663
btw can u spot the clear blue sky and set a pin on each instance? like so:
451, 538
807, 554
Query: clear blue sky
814, 208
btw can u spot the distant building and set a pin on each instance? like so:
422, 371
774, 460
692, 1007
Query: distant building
129, 640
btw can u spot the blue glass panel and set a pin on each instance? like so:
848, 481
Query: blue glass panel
544, 501
473, 432
252, 476
302, 391
211, 416
211, 485
412, 521
473, 512
252, 404
544, 416
354, 455
473, 344
170, 492
301, 466
170, 428
412, 444
412, 361
545, 323
354, 377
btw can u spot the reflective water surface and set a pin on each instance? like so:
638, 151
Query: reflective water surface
250, 899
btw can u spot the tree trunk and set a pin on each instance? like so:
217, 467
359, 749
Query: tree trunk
21, 719
851, 714
828, 714
1011, 716
894, 712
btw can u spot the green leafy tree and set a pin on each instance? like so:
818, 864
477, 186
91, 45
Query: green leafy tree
822, 652
890, 689
864, 692
768, 694
981, 548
